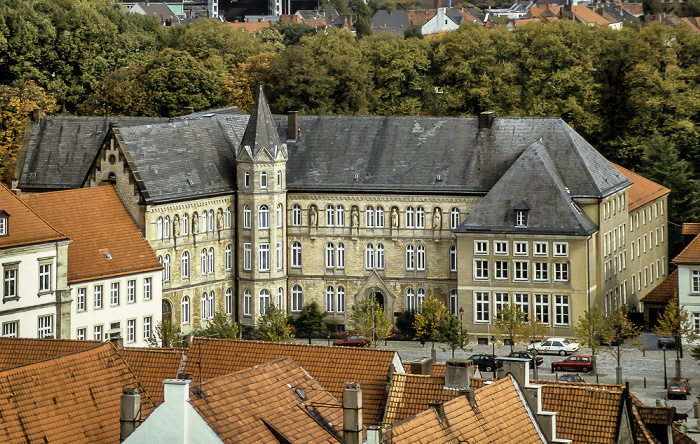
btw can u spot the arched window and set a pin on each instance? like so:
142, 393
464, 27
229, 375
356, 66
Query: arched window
340, 255
340, 216
410, 217
203, 222
264, 301
296, 254
330, 255
410, 257
185, 265
420, 257
380, 217
204, 305
228, 256
369, 256
420, 299
227, 217
203, 264
454, 218
453, 258
185, 224
246, 216
166, 268
340, 307
263, 217
229, 301
280, 298
280, 216
159, 228
330, 298
420, 217
210, 267
297, 298
453, 303
410, 299
247, 299
296, 215
369, 216
246, 179
166, 227
330, 215
380, 256
210, 221
185, 307
212, 304
263, 180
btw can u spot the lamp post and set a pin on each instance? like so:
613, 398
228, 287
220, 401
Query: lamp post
461, 313
665, 377
493, 349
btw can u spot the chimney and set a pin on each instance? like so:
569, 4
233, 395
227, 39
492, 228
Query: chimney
518, 367
17, 192
37, 114
458, 373
187, 110
422, 367
439, 409
468, 392
117, 341
292, 125
486, 119
130, 412
352, 413
374, 435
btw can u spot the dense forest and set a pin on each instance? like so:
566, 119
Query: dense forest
634, 94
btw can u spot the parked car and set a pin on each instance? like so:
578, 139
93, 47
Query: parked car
353, 341
667, 343
485, 362
527, 355
561, 346
571, 378
573, 363
678, 388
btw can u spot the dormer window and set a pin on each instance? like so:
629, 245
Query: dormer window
521, 211
4, 221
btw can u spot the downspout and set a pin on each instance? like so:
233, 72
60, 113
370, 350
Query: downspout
588, 272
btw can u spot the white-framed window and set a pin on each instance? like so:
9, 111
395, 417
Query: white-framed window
481, 247
147, 327
379, 219
80, 299
246, 179
166, 227
10, 329
369, 217
481, 269
410, 217
280, 298
203, 221
296, 215
264, 256
247, 256
410, 257
279, 179
131, 330
263, 217
247, 302
159, 228
542, 307
227, 217
296, 254
330, 216
500, 269
380, 256
369, 256
263, 180
297, 298
185, 265
97, 333
246, 216
3, 226
204, 306
45, 327
340, 255
228, 301
561, 249
279, 216
330, 299
499, 301
340, 297
500, 247
44, 277
210, 261
520, 218
481, 306
454, 218
340, 216
520, 248
166, 268
114, 293
561, 271
541, 248
330, 255
97, 297
541, 270
420, 298
454, 302
212, 304
453, 258
185, 224
228, 256
420, 257
522, 301
279, 255
410, 299
203, 261
521, 269
131, 291
420, 217
561, 309
695, 281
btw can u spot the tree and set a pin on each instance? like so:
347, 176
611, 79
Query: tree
404, 323
273, 326
220, 327
240, 87
508, 322
676, 323
620, 330
363, 22
367, 318
451, 332
310, 320
531, 331
592, 331
429, 317
166, 335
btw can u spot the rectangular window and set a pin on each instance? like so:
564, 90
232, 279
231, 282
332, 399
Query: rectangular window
80, 334
541, 271
561, 249
499, 301
45, 327
10, 287
695, 284
280, 257
247, 257
114, 293
481, 247
522, 301
520, 248
561, 272
97, 297
10, 329
521, 270
131, 330
501, 269
541, 249
481, 307
500, 247
131, 291
561, 309
80, 300
147, 289
147, 327
44, 277
264, 256
542, 307
97, 333
481, 269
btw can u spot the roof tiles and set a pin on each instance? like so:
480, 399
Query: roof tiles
642, 190
690, 254
152, 366
24, 226
22, 351
410, 394
666, 291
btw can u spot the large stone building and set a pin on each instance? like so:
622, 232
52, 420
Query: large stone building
245, 210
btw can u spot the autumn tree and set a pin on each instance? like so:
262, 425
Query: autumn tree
240, 87
310, 320
508, 323
531, 331
620, 330
428, 319
219, 327
273, 326
676, 323
450, 331
367, 318
592, 331
166, 335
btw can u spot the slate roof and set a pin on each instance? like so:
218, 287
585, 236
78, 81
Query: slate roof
102, 228
690, 254
665, 292
21, 351
24, 226
61, 149
249, 406
390, 21
531, 182
330, 366
642, 190
410, 395
152, 366
407, 154
70, 399
260, 134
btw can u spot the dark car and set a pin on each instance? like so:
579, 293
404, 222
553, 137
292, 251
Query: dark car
353, 341
527, 355
678, 388
571, 378
573, 363
485, 362
666, 342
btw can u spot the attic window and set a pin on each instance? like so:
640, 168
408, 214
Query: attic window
439, 177
357, 177
521, 218
3, 223
107, 255
300, 394
189, 181
32, 176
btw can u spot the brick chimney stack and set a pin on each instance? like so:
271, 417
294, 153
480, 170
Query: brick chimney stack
292, 125
37, 114
486, 119
352, 413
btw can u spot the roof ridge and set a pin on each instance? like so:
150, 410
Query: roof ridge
34, 212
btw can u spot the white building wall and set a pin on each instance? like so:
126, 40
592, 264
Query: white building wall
687, 298
440, 23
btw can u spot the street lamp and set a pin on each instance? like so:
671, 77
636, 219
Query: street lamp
461, 313
665, 381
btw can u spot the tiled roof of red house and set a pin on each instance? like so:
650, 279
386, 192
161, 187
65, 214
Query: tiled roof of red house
330, 366
410, 395
680, 437
152, 366
420, 16
438, 369
692, 22
641, 432
690, 254
249, 26
70, 399
587, 15
523, 22
666, 291
642, 190
635, 9
691, 229
243, 407
24, 226
537, 10
22, 351
100, 226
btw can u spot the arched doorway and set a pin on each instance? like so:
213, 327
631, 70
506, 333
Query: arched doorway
379, 297
167, 308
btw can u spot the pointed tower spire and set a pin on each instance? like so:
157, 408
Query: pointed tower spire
261, 133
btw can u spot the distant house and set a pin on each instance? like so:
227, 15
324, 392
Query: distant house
441, 22
387, 21
584, 14
688, 262
162, 11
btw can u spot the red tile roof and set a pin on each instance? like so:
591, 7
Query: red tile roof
538, 10
330, 366
243, 407
691, 228
665, 292
587, 15
152, 366
24, 226
22, 351
69, 399
438, 369
410, 395
98, 223
420, 16
642, 190
690, 254
249, 26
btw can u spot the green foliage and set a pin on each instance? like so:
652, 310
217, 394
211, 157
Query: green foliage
508, 322
429, 318
532, 330
675, 322
292, 33
404, 323
620, 330
413, 31
273, 326
310, 320
451, 332
592, 331
219, 327
367, 318
167, 335
363, 21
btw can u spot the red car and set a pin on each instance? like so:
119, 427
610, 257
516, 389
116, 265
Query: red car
353, 341
678, 388
573, 363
